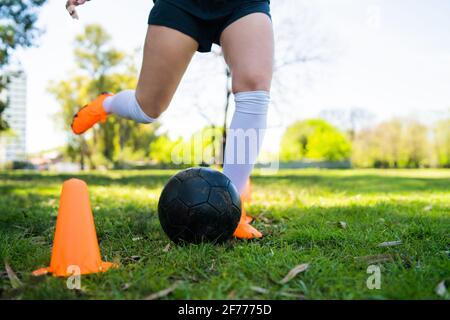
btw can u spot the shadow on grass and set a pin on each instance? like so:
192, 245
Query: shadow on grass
365, 183
138, 179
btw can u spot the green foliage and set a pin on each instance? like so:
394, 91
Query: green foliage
17, 26
94, 53
3, 104
314, 139
299, 211
203, 148
163, 150
17, 29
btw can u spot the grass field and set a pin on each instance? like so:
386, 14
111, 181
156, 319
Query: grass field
332, 220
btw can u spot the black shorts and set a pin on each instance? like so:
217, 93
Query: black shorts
204, 20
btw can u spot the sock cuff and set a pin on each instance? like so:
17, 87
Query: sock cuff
252, 102
141, 116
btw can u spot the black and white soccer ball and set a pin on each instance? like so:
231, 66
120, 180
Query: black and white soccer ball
198, 205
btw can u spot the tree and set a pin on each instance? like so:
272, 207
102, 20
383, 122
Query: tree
314, 139
71, 94
17, 29
442, 142
416, 147
163, 150
397, 143
387, 140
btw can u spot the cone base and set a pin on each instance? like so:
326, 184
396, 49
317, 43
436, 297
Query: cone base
40, 272
104, 266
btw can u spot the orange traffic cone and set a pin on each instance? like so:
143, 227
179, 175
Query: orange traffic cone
75, 245
244, 230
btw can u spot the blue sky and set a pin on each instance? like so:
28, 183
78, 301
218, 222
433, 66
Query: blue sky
391, 57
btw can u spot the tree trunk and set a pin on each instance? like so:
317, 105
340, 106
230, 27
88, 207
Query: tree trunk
227, 107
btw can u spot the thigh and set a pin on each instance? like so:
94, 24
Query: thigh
248, 48
167, 54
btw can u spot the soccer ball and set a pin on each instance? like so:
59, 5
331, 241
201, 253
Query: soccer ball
199, 205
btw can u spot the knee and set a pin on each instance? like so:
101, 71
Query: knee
252, 81
154, 108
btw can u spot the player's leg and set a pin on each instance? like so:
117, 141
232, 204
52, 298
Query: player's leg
248, 47
167, 54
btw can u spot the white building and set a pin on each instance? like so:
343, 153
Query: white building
13, 143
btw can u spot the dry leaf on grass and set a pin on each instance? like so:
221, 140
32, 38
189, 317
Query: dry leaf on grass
390, 244
39, 240
377, 258
265, 220
163, 293
294, 272
167, 248
428, 208
259, 290
293, 295
13, 279
441, 289
342, 224
232, 295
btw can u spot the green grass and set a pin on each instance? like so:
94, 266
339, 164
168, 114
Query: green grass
298, 211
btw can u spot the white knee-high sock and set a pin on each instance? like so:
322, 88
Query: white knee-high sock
245, 136
125, 105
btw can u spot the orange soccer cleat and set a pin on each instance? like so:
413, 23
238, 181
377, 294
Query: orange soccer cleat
245, 230
90, 114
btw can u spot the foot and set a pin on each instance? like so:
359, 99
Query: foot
90, 114
245, 230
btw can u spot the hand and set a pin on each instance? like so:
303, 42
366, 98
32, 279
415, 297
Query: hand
70, 6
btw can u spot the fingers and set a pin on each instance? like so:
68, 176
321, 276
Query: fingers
71, 5
72, 11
